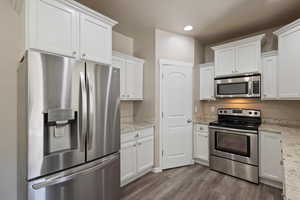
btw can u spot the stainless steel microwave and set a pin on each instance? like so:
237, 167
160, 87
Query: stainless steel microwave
242, 86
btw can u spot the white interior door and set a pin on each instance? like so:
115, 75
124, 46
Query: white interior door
177, 116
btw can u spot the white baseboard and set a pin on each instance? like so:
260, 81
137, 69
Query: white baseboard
157, 170
201, 162
127, 181
271, 183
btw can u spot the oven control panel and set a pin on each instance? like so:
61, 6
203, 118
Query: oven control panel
239, 112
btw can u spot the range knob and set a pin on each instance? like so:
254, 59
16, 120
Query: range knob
250, 113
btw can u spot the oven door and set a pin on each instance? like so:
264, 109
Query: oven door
238, 145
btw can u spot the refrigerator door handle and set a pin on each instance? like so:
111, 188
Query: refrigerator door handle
83, 107
62, 178
91, 110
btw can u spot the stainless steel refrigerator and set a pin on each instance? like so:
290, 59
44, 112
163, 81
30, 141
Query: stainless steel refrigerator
68, 129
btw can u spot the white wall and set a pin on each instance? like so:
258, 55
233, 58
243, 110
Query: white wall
122, 43
10, 49
169, 46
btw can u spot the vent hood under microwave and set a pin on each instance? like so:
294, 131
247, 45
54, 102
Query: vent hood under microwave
242, 86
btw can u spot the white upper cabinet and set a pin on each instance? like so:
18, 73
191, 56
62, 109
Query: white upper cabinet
288, 61
248, 57
131, 76
67, 28
269, 75
120, 63
207, 81
225, 61
52, 27
95, 39
243, 56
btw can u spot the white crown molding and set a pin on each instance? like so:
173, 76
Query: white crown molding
125, 56
287, 27
88, 11
211, 64
269, 53
256, 38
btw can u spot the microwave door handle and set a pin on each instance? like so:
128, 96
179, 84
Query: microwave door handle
83, 111
250, 92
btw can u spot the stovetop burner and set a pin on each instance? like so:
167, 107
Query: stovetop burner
238, 119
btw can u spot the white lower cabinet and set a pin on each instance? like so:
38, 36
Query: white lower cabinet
128, 161
144, 154
137, 154
270, 157
201, 148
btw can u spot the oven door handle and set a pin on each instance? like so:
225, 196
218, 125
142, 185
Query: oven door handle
233, 129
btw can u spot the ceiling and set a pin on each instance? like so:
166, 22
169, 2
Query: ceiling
213, 20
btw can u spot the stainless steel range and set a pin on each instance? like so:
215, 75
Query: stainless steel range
234, 143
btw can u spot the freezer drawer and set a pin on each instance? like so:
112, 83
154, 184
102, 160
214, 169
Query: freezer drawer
99, 180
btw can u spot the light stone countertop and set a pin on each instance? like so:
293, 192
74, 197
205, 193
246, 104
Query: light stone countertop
203, 121
135, 126
290, 144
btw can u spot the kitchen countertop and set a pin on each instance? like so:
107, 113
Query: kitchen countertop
290, 144
135, 126
204, 121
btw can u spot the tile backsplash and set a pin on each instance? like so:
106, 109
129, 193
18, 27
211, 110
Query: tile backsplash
126, 111
278, 112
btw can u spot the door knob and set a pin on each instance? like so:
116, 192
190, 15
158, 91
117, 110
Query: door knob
189, 121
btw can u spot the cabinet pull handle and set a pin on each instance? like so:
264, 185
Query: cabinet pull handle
281, 162
139, 143
137, 135
83, 55
74, 53
134, 145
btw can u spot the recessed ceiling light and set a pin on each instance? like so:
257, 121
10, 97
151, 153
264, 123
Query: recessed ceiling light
188, 28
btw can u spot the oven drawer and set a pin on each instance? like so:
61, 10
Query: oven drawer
235, 145
233, 168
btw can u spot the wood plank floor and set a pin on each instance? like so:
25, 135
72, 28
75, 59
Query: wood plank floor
196, 183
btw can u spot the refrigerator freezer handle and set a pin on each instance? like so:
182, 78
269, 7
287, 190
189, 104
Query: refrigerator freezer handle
59, 179
83, 114
91, 111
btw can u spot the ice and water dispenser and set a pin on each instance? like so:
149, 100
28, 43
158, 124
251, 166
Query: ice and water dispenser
60, 118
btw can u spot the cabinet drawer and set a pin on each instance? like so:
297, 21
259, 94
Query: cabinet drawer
201, 128
129, 136
146, 132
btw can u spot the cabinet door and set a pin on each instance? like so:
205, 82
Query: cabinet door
128, 160
134, 80
52, 27
201, 146
269, 77
248, 58
206, 83
288, 66
270, 156
95, 40
144, 154
120, 63
225, 61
